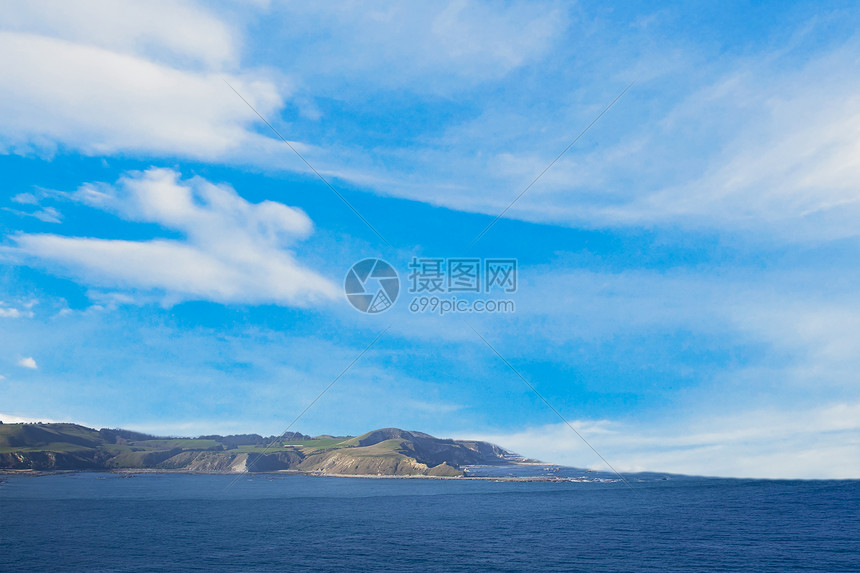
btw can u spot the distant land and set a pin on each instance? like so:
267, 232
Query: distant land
385, 452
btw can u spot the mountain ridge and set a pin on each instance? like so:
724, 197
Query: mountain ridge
381, 452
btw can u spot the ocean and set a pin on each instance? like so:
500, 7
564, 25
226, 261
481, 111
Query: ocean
180, 522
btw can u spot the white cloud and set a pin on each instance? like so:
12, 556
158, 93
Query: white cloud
234, 251
129, 77
9, 312
156, 28
28, 362
820, 443
102, 102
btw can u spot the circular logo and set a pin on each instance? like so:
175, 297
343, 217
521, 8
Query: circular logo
372, 286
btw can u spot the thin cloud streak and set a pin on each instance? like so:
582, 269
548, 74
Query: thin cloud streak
818, 443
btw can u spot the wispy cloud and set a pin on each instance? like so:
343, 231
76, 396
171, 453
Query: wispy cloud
46, 215
28, 362
425, 47
821, 443
764, 143
25, 199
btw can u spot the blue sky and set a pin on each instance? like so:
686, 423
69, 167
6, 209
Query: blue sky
687, 271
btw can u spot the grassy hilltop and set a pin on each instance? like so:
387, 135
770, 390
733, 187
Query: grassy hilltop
385, 452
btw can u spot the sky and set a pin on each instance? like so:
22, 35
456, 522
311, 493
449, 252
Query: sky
186, 186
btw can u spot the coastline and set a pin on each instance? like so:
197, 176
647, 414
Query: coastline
129, 472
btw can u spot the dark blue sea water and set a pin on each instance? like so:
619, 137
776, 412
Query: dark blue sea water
174, 522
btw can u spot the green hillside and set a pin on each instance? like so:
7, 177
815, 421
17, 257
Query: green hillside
388, 451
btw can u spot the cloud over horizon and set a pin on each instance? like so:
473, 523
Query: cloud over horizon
815, 443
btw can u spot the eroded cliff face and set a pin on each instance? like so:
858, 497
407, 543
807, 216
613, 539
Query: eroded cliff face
205, 462
346, 462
